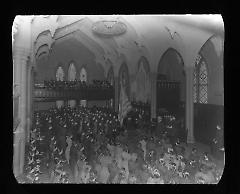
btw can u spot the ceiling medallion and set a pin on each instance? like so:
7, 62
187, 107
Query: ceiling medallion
109, 28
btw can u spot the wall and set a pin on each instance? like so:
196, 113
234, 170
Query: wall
206, 118
63, 53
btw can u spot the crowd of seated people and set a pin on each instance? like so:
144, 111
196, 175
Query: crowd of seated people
76, 84
142, 108
89, 124
94, 132
101, 84
92, 127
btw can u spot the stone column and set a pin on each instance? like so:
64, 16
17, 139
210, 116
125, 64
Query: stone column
153, 78
189, 104
116, 100
131, 89
20, 58
32, 93
29, 99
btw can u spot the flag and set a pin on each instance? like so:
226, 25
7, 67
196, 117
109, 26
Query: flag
124, 105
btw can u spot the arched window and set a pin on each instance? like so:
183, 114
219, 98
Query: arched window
83, 77
59, 77
83, 74
141, 83
71, 77
71, 72
200, 81
110, 78
60, 74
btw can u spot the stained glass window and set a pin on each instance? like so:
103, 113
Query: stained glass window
71, 77
83, 77
71, 72
200, 81
60, 74
59, 77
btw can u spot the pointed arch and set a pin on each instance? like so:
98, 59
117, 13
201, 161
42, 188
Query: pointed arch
83, 74
60, 77
208, 71
60, 73
145, 63
142, 85
72, 77
171, 67
83, 77
72, 72
123, 75
169, 50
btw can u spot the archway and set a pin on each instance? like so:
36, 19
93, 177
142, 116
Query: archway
143, 84
124, 80
72, 77
83, 78
208, 90
171, 87
59, 77
110, 78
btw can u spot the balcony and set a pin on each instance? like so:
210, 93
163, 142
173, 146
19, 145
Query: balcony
88, 92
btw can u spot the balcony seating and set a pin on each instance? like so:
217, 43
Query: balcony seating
65, 90
69, 85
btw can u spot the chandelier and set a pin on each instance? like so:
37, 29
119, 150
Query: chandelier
109, 28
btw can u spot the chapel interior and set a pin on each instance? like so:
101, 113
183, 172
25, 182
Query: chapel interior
118, 99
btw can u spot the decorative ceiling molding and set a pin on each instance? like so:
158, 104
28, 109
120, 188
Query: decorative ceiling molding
65, 35
41, 54
66, 28
54, 25
109, 28
171, 33
44, 46
43, 41
44, 33
218, 44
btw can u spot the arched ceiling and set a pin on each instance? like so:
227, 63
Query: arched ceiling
145, 36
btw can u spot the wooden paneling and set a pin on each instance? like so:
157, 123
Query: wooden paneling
206, 118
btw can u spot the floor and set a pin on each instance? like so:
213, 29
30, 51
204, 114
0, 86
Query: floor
139, 171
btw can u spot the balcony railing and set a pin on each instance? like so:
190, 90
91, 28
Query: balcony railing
89, 93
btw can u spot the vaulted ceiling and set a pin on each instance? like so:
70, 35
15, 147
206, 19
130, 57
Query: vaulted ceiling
145, 36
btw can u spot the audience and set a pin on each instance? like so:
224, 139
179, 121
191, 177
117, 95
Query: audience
76, 84
97, 128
